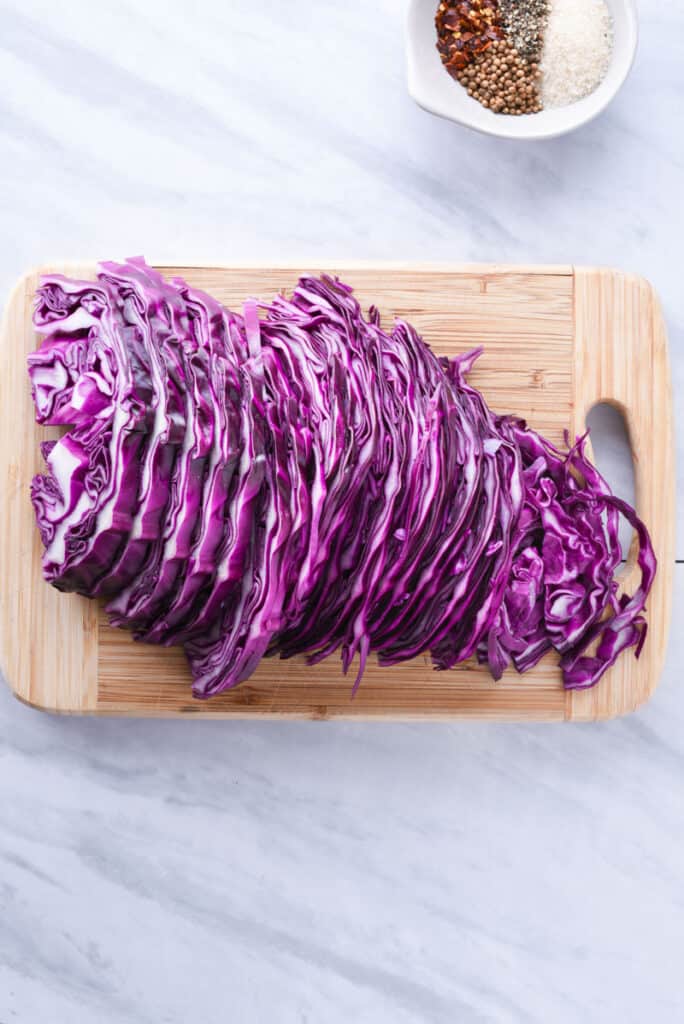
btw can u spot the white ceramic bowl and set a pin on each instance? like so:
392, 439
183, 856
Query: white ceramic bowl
435, 90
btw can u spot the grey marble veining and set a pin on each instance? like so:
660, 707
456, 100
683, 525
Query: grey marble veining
168, 872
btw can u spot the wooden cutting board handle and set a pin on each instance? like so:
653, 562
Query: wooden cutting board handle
621, 358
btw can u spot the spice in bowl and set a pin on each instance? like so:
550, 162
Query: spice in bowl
523, 23
466, 30
519, 56
578, 42
502, 81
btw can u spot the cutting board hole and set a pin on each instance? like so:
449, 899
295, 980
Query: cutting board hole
613, 456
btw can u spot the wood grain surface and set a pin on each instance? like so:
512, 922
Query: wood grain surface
557, 340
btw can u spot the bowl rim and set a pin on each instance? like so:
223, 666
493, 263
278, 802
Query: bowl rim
422, 96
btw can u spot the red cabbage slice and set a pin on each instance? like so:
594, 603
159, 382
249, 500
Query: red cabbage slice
138, 604
142, 296
218, 333
91, 373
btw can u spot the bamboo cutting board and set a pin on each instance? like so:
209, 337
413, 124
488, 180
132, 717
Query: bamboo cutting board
557, 340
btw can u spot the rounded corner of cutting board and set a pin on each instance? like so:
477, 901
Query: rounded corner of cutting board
617, 698
58, 675
35, 705
527, 318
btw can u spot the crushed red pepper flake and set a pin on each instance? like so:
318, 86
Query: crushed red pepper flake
466, 30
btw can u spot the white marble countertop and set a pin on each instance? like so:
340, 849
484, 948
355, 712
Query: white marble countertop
173, 872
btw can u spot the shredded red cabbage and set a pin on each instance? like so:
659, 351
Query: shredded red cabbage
298, 480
